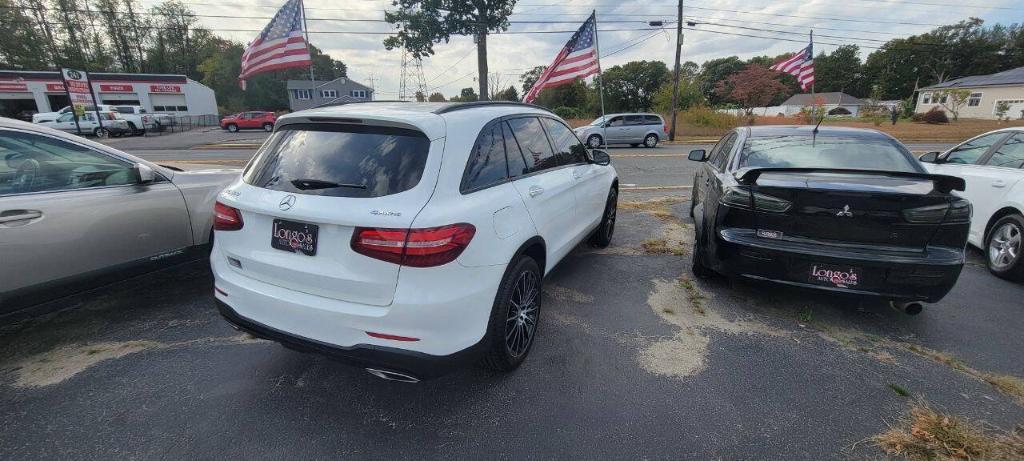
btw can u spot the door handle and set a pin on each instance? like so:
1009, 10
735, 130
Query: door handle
536, 190
8, 216
998, 183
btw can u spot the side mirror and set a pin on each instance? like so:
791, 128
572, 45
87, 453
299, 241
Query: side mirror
697, 155
930, 157
600, 157
144, 173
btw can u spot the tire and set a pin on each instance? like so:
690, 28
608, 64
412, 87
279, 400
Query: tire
268, 127
117, 135
1003, 248
651, 141
698, 268
134, 129
101, 133
233, 128
602, 236
594, 141
506, 350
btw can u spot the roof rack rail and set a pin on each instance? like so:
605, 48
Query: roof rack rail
470, 105
336, 102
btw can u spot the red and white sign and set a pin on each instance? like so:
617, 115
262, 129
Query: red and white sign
78, 87
54, 87
165, 89
8, 86
117, 88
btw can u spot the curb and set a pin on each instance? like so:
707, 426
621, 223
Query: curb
226, 146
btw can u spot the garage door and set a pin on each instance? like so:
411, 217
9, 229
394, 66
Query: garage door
168, 102
124, 99
17, 105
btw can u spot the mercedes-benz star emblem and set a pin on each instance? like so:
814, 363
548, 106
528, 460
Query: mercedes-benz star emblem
287, 203
845, 212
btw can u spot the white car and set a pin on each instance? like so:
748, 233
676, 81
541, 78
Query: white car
112, 124
991, 164
407, 238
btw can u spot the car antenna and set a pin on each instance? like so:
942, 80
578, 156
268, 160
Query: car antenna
814, 132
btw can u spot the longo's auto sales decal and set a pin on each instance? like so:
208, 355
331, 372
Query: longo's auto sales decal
77, 84
840, 278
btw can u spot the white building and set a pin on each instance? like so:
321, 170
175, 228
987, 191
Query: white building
835, 103
25, 92
986, 92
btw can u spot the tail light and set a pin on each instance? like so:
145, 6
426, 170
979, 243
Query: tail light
226, 218
739, 197
957, 211
414, 247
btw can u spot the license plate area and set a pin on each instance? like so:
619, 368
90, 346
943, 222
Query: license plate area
294, 237
835, 276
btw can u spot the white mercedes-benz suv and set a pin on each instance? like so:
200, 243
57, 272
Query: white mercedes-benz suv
407, 238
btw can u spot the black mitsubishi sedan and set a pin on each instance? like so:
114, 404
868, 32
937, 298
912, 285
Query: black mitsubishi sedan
840, 209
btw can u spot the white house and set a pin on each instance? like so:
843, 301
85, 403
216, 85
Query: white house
987, 91
835, 103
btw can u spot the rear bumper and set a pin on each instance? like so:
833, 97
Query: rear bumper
906, 276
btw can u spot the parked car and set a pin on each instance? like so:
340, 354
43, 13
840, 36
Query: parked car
75, 214
43, 117
838, 209
991, 164
632, 129
139, 120
357, 228
246, 120
112, 124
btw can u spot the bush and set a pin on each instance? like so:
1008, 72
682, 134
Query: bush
933, 116
567, 112
810, 115
706, 117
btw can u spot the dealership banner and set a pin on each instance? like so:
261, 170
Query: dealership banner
13, 87
79, 89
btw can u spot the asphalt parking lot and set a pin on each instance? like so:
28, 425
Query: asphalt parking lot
634, 359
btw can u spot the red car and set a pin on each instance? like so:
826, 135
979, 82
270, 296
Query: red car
254, 119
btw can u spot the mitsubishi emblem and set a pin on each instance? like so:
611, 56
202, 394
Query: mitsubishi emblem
845, 212
287, 202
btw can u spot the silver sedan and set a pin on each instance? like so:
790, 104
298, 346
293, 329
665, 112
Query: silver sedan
75, 214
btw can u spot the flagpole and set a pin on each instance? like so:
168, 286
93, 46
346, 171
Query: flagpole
305, 29
812, 59
600, 82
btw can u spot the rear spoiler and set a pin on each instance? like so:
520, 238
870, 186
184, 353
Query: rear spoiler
943, 183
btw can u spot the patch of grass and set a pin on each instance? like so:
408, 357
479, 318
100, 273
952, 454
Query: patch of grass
654, 205
902, 391
806, 315
929, 435
1010, 385
693, 295
661, 247
668, 311
943, 358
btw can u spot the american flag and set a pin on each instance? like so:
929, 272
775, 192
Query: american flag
578, 59
281, 45
801, 66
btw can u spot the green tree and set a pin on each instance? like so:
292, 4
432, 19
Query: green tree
422, 23
953, 100
23, 46
508, 94
631, 86
714, 71
690, 95
754, 86
466, 95
840, 70
420, 97
436, 97
530, 77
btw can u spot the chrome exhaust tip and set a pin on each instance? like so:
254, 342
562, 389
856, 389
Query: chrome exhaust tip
392, 376
909, 308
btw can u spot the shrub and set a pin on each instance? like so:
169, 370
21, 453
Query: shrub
706, 117
933, 116
567, 112
810, 115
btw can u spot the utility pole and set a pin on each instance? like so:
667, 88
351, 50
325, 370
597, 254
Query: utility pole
675, 77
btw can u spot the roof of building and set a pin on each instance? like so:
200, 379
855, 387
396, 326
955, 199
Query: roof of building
96, 76
833, 98
308, 84
1006, 77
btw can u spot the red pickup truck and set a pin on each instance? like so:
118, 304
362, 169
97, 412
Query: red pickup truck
252, 119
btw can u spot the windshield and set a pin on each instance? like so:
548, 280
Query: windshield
341, 160
843, 152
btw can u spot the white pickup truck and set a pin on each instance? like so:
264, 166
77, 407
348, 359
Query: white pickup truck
138, 119
992, 164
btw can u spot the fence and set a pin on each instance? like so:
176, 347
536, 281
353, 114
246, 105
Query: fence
179, 123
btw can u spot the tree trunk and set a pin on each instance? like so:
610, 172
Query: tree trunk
481, 63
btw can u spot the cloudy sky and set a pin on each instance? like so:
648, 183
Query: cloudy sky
724, 27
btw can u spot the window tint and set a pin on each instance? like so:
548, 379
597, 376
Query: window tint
615, 121
652, 120
341, 160
67, 117
516, 162
1010, 154
534, 144
846, 152
486, 163
722, 155
568, 147
971, 151
33, 163
634, 120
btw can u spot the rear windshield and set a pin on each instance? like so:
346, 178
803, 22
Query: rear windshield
841, 152
341, 160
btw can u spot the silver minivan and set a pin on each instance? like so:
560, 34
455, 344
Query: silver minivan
632, 129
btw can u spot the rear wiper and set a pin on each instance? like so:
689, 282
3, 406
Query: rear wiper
308, 184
